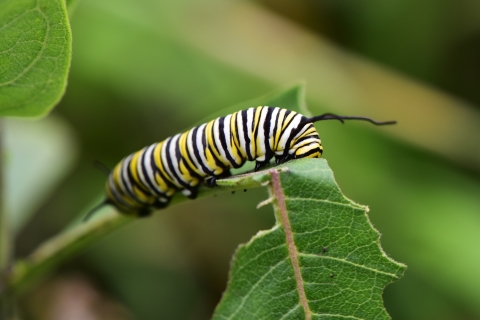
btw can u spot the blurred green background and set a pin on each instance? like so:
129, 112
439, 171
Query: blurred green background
144, 70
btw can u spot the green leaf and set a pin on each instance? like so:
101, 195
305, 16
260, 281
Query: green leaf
35, 52
321, 260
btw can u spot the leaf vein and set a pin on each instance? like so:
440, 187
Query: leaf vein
349, 262
322, 200
244, 298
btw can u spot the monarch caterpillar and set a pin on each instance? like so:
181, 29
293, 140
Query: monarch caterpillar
147, 179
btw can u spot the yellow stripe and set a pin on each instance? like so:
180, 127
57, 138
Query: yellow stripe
141, 195
186, 176
287, 120
233, 128
133, 166
211, 142
256, 120
184, 152
234, 143
158, 161
277, 134
163, 186
258, 148
117, 176
117, 179
243, 152
119, 205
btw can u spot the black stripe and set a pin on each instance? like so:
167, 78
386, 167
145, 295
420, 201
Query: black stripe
170, 163
148, 179
303, 139
267, 125
182, 157
139, 184
196, 149
237, 134
134, 183
306, 154
157, 169
293, 133
223, 140
117, 193
255, 127
218, 163
125, 180
281, 130
246, 136
275, 128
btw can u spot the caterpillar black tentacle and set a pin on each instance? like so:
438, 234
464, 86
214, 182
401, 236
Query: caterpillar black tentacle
147, 179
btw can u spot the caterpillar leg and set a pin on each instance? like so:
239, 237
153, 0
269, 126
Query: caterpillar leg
161, 204
144, 213
212, 181
259, 165
190, 193
283, 158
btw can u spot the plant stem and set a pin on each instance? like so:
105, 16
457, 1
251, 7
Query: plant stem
55, 250
75, 238
66, 244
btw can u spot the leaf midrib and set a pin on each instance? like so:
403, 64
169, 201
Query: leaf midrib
276, 189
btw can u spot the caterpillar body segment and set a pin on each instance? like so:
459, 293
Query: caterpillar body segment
147, 179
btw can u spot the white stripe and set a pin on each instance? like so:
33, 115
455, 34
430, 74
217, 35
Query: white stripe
271, 134
305, 142
241, 138
227, 132
144, 162
148, 166
163, 158
120, 178
173, 157
250, 118
113, 189
261, 135
217, 139
305, 127
281, 117
192, 153
288, 131
140, 171
200, 135
124, 173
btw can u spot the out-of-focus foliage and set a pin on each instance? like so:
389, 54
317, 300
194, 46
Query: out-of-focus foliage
35, 49
39, 154
144, 70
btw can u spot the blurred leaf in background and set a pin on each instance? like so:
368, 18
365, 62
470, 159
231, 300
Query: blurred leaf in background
39, 154
145, 70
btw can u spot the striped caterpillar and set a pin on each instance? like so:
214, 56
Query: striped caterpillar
147, 179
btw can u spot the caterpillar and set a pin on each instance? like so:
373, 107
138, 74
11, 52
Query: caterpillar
147, 179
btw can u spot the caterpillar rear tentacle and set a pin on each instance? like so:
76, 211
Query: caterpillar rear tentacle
147, 179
